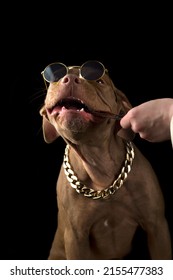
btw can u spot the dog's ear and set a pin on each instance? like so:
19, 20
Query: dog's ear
124, 106
49, 132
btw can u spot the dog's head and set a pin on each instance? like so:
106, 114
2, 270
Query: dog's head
77, 106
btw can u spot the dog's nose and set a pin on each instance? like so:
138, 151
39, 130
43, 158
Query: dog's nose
70, 78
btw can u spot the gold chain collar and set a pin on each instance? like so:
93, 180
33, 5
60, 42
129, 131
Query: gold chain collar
94, 194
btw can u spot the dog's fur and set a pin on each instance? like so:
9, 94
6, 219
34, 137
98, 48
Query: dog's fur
102, 228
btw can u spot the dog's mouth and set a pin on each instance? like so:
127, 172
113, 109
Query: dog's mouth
69, 104
77, 105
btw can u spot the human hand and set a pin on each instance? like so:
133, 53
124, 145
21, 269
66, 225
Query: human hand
150, 119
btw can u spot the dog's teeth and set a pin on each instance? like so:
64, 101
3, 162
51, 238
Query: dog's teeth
82, 109
63, 108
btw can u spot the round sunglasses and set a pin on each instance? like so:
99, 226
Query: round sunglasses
91, 70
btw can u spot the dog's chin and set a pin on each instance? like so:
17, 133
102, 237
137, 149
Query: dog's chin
75, 125
75, 121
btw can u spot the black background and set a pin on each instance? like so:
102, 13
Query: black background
133, 42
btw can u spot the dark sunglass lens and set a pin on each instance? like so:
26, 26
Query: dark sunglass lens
92, 70
54, 72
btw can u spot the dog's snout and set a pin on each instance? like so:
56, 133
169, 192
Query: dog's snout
70, 78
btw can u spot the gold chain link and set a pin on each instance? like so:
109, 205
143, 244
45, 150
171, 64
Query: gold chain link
94, 194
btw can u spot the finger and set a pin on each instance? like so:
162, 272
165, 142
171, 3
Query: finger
125, 122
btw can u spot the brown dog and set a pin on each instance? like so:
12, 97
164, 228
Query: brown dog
106, 188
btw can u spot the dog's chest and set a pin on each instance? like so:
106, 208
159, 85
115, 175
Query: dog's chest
96, 216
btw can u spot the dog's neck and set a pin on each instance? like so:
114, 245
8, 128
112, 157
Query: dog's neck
100, 161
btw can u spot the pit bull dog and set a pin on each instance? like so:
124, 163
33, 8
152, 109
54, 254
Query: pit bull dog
106, 188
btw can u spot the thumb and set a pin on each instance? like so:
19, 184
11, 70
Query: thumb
125, 122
